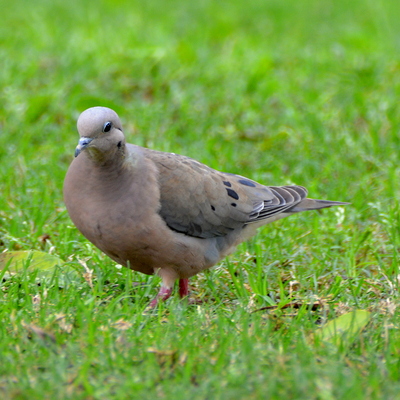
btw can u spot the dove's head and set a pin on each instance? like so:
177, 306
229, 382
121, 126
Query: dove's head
101, 134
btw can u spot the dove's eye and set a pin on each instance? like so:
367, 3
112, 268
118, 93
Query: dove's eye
107, 127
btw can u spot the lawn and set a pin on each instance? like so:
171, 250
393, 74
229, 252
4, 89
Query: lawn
284, 92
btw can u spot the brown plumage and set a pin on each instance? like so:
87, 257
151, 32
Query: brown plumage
162, 213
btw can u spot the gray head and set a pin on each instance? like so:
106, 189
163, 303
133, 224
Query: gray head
101, 134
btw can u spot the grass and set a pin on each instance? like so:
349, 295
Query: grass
283, 92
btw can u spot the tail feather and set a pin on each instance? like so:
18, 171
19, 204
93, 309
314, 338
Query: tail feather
313, 204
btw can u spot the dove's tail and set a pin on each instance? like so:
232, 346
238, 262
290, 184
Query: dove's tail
313, 204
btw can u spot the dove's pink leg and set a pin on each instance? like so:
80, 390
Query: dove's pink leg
184, 287
168, 276
163, 294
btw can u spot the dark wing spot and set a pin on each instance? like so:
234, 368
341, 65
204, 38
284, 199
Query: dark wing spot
195, 229
247, 182
99, 232
232, 194
226, 183
212, 208
233, 204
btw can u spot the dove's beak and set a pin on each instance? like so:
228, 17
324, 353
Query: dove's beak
82, 144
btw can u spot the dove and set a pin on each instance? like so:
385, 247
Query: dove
162, 213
